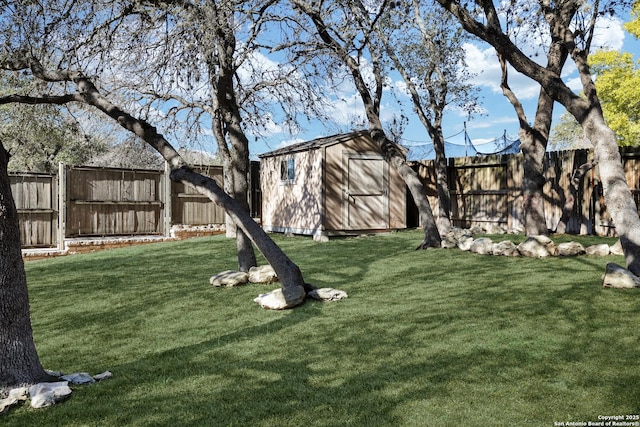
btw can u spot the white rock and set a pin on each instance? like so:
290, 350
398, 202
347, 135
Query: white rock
320, 238
598, 250
482, 246
619, 277
505, 248
570, 249
262, 274
275, 300
47, 394
537, 247
495, 229
476, 229
327, 294
616, 248
229, 278
16, 395
449, 242
465, 242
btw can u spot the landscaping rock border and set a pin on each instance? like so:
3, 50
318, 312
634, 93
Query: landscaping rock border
46, 394
542, 247
533, 246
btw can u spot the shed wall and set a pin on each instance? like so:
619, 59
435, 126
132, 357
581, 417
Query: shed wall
292, 206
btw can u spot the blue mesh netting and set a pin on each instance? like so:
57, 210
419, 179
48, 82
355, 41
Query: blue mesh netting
500, 145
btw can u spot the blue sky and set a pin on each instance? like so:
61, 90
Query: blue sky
498, 118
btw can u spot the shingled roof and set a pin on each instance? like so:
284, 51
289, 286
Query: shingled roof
315, 144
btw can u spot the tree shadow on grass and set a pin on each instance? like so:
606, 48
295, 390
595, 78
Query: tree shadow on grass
471, 348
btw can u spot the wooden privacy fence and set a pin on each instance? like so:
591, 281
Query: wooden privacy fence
94, 201
487, 190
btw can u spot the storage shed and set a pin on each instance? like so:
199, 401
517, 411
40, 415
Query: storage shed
336, 185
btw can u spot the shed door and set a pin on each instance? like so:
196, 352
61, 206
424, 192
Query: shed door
365, 192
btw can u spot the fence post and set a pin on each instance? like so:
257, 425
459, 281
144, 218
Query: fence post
167, 200
62, 211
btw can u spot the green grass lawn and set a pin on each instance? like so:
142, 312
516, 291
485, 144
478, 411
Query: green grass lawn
426, 338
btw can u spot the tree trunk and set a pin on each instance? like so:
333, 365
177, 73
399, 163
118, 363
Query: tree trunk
442, 184
240, 171
19, 362
533, 150
227, 173
617, 195
416, 187
222, 69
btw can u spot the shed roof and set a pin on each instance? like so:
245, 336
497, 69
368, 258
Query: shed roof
315, 143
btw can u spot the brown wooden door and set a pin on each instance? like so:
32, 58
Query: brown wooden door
365, 192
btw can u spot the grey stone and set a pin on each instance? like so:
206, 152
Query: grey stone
47, 394
275, 300
619, 277
78, 378
570, 249
506, 248
262, 274
327, 294
482, 246
103, 376
229, 278
598, 250
537, 247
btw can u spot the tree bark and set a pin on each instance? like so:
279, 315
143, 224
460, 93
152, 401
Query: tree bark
533, 150
442, 183
19, 361
227, 123
240, 171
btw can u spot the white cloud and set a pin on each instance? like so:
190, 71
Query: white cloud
485, 66
609, 33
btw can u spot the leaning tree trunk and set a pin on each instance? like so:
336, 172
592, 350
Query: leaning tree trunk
289, 274
19, 362
416, 187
